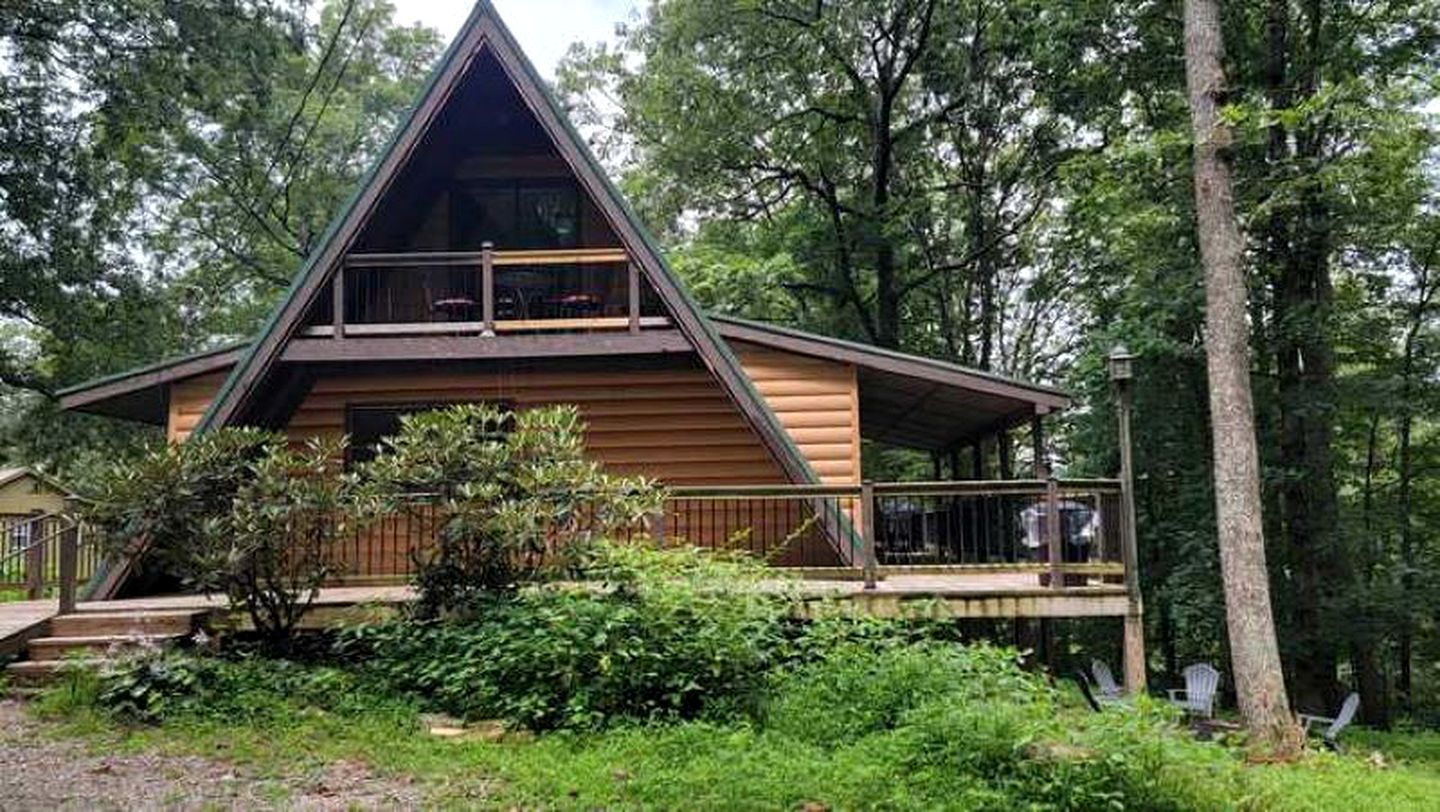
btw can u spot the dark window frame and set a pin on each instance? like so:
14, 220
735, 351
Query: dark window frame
515, 187
399, 409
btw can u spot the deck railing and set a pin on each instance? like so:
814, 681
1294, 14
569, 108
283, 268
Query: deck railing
57, 552
1067, 533
487, 292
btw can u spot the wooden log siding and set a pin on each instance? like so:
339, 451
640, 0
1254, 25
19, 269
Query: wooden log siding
674, 425
188, 401
677, 426
818, 403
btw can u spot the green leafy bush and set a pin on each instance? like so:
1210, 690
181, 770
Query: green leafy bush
153, 685
236, 511
518, 500
650, 634
859, 688
967, 718
145, 686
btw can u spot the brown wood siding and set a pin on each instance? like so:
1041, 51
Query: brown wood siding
188, 401
818, 403
674, 425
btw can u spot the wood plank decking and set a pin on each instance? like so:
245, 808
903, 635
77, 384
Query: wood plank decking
960, 595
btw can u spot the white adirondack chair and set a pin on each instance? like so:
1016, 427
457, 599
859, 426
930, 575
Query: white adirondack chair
1198, 695
1110, 690
1334, 724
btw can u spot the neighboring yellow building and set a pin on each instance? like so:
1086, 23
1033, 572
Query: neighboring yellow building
24, 493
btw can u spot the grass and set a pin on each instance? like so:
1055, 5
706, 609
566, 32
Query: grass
712, 766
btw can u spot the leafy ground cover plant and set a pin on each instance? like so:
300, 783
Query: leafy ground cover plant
917, 725
518, 500
645, 634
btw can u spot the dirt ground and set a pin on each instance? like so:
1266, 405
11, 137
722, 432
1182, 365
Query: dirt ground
40, 772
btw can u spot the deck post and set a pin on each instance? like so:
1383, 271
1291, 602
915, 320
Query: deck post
1053, 541
656, 525
69, 553
868, 559
1002, 445
337, 303
1121, 364
35, 567
487, 289
634, 298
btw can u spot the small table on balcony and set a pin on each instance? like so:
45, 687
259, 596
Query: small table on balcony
457, 308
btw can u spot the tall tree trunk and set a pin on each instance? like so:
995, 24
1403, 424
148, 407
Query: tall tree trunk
1404, 680
1255, 657
887, 282
1297, 249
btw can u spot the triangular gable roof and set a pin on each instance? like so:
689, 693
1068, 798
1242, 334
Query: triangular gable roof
485, 30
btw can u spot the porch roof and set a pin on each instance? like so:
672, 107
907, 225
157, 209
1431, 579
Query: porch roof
909, 400
905, 400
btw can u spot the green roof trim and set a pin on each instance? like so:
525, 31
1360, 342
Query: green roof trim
897, 355
307, 268
147, 369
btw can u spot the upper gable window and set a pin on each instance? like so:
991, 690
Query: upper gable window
515, 214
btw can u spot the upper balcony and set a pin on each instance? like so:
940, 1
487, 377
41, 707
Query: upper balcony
487, 292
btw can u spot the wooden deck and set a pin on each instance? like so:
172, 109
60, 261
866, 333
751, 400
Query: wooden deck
957, 595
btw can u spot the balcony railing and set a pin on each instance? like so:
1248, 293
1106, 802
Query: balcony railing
488, 292
1065, 533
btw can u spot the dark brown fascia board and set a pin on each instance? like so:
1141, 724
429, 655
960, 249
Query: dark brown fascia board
466, 348
485, 30
882, 360
175, 369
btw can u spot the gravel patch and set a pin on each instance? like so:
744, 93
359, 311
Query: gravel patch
38, 772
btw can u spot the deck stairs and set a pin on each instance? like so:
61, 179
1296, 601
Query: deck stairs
92, 637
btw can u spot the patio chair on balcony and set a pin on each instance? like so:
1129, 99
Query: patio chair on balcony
1197, 698
1333, 724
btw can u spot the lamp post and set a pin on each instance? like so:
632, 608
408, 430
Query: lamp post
1121, 365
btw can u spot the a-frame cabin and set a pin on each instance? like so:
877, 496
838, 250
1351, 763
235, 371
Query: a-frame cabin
486, 257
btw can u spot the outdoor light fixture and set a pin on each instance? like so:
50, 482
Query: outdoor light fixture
1122, 364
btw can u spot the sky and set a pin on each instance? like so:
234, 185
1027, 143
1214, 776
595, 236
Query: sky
545, 28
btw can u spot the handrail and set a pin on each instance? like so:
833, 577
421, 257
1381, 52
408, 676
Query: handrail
958, 488
33, 559
564, 256
20, 552
487, 261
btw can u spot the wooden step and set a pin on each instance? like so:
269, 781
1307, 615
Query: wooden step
37, 673
100, 645
142, 622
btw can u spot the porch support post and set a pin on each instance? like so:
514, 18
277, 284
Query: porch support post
977, 460
1037, 444
337, 303
487, 289
1053, 541
954, 455
1002, 446
1121, 376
